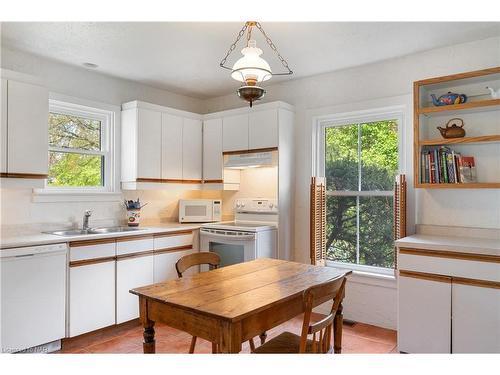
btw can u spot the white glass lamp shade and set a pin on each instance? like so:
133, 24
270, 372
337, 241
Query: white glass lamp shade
251, 67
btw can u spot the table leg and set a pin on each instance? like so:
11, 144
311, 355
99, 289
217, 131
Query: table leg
263, 337
230, 338
149, 331
337, 328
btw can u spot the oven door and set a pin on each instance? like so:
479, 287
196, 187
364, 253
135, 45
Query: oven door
232, 246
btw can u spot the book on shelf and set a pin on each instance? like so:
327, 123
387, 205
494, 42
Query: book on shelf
442, 165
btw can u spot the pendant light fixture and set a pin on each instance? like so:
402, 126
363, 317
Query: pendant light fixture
251, 69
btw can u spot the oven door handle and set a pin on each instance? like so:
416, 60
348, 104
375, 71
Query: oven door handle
242, 237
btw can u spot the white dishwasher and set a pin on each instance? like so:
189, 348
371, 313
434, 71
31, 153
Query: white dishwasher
33, 299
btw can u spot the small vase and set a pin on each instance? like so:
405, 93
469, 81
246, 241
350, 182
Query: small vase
133, 217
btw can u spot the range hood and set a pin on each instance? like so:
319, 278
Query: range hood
253, 160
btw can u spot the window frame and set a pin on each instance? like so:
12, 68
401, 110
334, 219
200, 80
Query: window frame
109, 117
320, 124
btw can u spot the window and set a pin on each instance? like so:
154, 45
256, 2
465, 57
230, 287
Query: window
360, 159
80, 141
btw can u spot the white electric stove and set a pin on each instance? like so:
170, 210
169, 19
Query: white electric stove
252, 235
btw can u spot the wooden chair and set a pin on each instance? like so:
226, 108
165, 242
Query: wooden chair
321, 331
196, 259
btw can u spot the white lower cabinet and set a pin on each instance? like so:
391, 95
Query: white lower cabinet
448, 304
91, 297
131, 273
475, 319
164, 265
422, 329
102, 273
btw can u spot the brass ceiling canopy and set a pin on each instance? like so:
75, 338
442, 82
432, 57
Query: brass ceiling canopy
251, 69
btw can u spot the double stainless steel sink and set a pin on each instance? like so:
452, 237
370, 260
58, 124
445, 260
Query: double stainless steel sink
102, 230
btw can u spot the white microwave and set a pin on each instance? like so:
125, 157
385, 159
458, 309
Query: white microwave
200, 210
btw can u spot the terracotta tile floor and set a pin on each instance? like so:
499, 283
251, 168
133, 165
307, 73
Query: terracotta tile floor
127, 338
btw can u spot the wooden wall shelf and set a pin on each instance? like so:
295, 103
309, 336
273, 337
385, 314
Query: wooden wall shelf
475, 185
421, 91
454, 141
460, 107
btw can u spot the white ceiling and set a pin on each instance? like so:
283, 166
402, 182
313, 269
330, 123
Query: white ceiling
184, 57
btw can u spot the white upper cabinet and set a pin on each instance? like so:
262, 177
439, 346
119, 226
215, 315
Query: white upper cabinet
27, 128
3, 128
171, 147
212, 149
160, 145
263, 129
192, 149
235, 132
149, 139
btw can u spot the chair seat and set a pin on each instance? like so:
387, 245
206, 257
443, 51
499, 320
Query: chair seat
286, 342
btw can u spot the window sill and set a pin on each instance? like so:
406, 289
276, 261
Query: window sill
45, 196
384, 278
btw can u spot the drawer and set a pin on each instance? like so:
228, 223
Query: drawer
471, 269
135, 244
173, 240
92, 249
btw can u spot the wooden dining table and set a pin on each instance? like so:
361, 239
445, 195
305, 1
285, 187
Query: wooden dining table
230, 305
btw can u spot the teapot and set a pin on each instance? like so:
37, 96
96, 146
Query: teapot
448, 99
453, 130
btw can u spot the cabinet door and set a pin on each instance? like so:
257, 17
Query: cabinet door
476, 319
235, 133
171, 147
192, 149
3, 127
263, 129
131, 273
424, 314
91, 297
212, 149
27, 122
164, 265
148, 144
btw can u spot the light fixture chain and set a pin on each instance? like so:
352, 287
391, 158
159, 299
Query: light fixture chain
273, 47
233, 46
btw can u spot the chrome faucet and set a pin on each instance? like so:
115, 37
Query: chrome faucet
86, 217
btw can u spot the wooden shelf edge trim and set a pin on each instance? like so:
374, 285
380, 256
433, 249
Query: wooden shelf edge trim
425, 276
213, 181
99, 241
24, 175
459, 107
138, 254
251, 151
451, 255
450, 279
453, 77
173, 249
173, 233
473, 185
444, 141
87, 262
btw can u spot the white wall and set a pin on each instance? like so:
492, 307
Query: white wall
16, 204
385, 79
254, 183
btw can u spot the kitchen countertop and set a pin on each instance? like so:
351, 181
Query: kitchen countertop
37, 238
472, 245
